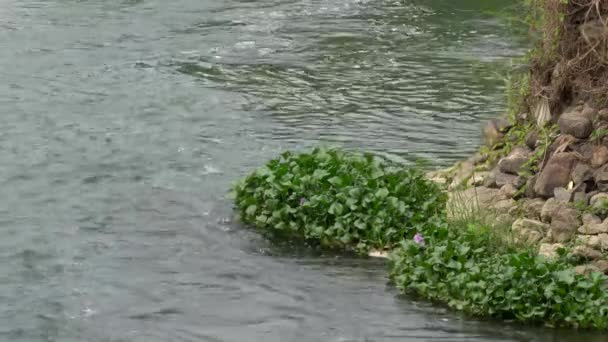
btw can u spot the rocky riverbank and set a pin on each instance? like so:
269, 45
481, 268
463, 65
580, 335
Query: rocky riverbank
543, 169
562, 202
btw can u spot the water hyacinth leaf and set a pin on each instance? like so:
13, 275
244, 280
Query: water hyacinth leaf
382, 193
336, 208
251, 210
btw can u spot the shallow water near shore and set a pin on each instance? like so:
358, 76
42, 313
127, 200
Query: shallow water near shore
124, 124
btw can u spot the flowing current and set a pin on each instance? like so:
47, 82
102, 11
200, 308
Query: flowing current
124, 123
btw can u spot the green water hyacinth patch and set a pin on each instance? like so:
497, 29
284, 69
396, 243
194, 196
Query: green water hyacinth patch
458, 268
338, 199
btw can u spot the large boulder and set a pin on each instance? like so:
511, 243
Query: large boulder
575, 123
555, 174
513, 163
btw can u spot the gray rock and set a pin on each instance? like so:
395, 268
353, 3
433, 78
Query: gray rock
530, 183
504, 206
555, 174
603, 241
529, 231
461, 172
592, 228
532, 207
490, 180
589, 219
599, 241
532, 139
549, 250
564, 224
580, 197
589, 111
602, 265
581, 173
575, 124
504, 178
599, 156
603, 114
550, 207
512, 164
585, 269
601, 178
527, 224
509, 190
478, 178
586, 252
599, 200
493, 131
562, 195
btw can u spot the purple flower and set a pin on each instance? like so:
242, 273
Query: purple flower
302, 201
419, 239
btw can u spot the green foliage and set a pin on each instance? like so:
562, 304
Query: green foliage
338, 200
350, 201
458, 267
598, 134
518, 90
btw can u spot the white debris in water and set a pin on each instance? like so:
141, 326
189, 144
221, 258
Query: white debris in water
378, 254
209, 170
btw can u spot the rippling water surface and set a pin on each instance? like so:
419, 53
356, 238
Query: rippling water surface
123, 124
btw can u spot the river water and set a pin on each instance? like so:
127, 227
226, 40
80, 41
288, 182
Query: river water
124, 123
